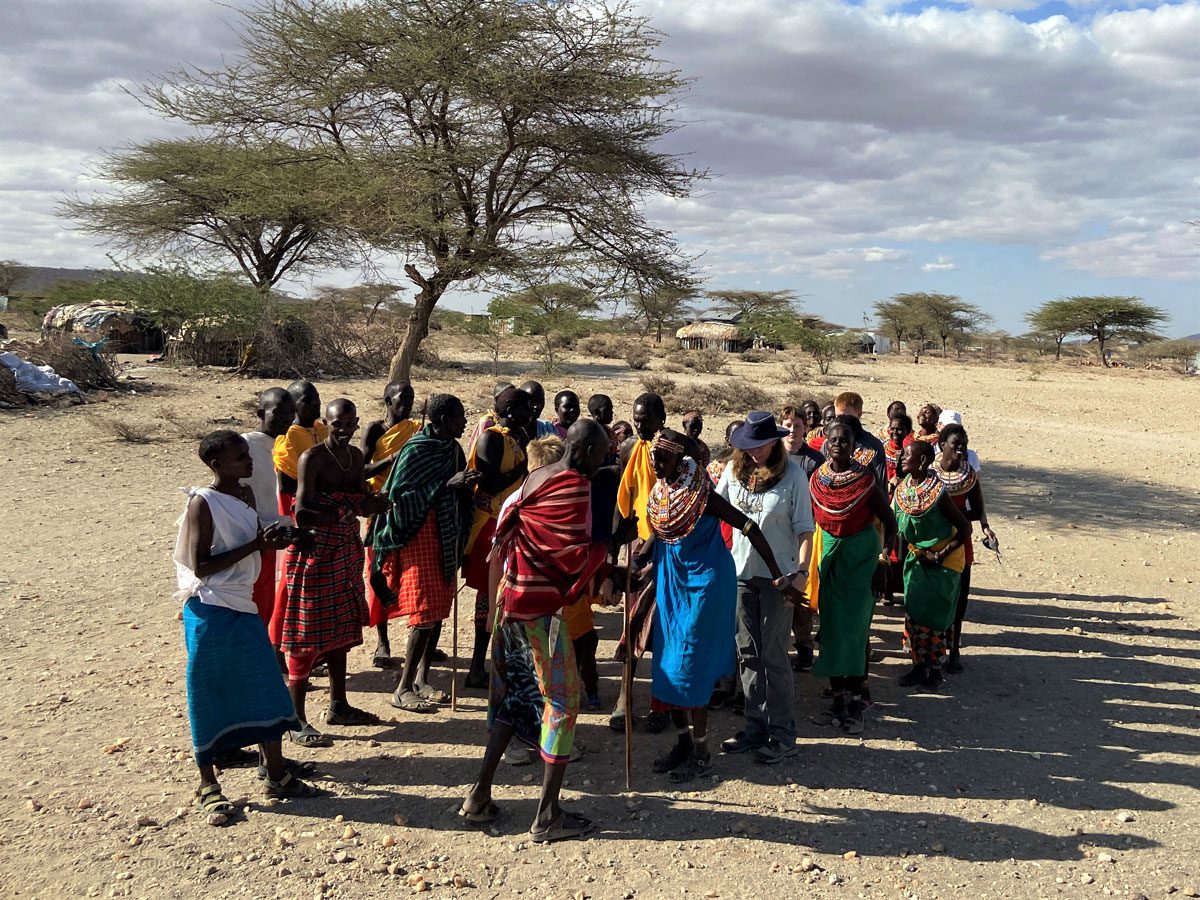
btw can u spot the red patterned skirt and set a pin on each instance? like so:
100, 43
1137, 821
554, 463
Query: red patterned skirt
414, 574
326, 602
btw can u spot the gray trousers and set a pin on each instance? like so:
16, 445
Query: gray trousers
764, 625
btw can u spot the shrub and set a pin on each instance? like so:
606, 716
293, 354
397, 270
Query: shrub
658, 384
710, 362
124, 430
605, 346
638, 358
795, 372
733, 395
672, 366
755, 356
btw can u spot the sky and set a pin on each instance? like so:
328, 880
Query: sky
1007, 151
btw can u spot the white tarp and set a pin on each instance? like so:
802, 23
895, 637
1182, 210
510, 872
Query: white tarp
41, 381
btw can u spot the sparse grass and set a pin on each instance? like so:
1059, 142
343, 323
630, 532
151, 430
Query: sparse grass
733, 395
187, 427
123, 430
658, 384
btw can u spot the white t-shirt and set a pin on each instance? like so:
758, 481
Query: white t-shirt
263, 483
234, 524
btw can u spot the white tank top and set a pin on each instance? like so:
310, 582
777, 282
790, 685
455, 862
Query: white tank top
234, 524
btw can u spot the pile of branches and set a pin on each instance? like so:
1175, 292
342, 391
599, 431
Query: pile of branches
90, 368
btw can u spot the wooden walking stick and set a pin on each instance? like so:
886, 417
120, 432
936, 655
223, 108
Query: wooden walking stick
454, 655
627, 673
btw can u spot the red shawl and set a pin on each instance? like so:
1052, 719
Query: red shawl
545, 538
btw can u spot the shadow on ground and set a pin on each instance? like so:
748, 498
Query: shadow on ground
1090, 722
1087, 498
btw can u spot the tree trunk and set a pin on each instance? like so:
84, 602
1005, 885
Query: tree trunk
658, 335
1100, 340
1058, 348
418, 330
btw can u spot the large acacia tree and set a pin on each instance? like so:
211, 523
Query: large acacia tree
506, 140
1103, 319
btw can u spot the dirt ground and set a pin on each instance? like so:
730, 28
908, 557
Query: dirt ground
1062, 762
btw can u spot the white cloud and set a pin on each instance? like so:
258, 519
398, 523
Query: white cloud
848, 139
943, 264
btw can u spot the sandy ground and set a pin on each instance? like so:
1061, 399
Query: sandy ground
1062, 762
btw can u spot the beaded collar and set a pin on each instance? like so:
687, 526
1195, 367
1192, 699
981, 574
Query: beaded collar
915, 498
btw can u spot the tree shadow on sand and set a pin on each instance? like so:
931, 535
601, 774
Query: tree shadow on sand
1088, 498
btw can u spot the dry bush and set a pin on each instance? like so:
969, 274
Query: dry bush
605, 346
10, 397
638, 358
755, 356
91, 371
795, 372
735, 395
672, 366
124, 430
658, 384
710, 362
189, 427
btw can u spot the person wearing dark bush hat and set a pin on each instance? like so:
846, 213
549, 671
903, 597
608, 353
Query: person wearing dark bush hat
764, 483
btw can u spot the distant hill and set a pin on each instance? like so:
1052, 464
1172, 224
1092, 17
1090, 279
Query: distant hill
38, 280
1191, 337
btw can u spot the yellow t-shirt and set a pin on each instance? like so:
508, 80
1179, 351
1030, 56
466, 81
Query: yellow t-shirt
634, 490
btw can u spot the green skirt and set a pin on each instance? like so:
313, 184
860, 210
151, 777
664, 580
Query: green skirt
846, 602
930, 593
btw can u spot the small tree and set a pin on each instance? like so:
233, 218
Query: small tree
1104, 319
824, 348
657, 307
1055, 320
11, 273
555, 313
752, 304
490, 333
947, 315
367, 299
906, 317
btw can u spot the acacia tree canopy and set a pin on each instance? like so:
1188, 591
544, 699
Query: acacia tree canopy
218, 201
506, 140
1102, 319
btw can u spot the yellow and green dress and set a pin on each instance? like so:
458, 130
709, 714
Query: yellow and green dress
850, 545
930, 590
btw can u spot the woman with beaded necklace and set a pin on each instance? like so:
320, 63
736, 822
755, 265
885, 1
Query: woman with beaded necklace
847, 503
695, 617
933, 532
953, 466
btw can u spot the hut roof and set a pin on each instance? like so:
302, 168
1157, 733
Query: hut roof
713, 331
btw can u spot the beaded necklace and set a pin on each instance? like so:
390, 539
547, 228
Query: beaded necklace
959, 481
837, 493
673, 510
915, 498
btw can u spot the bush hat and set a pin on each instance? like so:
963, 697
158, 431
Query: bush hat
758, 430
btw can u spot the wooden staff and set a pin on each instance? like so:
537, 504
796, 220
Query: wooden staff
627, 673
454, 655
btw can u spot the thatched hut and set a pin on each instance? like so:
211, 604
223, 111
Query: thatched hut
124, 328
724, 336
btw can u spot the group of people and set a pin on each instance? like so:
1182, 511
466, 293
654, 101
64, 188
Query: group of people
791, 534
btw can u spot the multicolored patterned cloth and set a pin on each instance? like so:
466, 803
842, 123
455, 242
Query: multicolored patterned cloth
326, 602
535, 685
236, 696
545, 538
